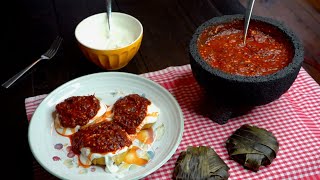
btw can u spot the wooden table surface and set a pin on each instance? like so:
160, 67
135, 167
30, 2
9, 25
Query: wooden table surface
31, 26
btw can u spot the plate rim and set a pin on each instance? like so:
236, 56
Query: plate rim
125, 74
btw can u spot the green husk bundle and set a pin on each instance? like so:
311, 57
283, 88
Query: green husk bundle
200, 163
252, 147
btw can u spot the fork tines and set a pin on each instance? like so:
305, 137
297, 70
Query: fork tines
54, 47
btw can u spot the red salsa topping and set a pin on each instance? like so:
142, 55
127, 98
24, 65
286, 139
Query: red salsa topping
130, 111
103, 137
77, 110
266, 51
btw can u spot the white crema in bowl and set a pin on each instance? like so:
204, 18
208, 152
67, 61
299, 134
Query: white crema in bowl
93, 32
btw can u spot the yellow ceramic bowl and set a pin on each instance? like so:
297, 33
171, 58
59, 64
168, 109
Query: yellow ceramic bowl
110, 50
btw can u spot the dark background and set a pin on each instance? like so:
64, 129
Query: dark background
31, 25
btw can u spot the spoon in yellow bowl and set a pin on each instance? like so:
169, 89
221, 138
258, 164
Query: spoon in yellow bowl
247, 19
109, 10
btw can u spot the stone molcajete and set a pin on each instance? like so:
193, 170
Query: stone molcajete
230, 94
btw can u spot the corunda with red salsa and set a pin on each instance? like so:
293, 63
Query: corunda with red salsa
267, 49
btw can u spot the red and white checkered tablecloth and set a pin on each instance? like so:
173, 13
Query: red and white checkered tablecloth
294, 119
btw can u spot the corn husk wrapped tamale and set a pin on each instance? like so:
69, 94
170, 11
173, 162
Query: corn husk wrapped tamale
200, 163
252, 147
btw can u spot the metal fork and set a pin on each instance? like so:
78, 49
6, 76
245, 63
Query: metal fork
47, 55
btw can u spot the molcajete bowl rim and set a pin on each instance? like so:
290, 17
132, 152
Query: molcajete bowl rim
295, 63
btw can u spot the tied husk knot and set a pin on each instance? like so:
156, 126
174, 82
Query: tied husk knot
252, 147
200, 163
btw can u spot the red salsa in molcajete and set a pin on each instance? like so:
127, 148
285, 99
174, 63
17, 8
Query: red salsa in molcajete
266, 51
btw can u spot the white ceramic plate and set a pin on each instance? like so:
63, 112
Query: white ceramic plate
108, 86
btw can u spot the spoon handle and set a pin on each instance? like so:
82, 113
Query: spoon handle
247, 19
109, 13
